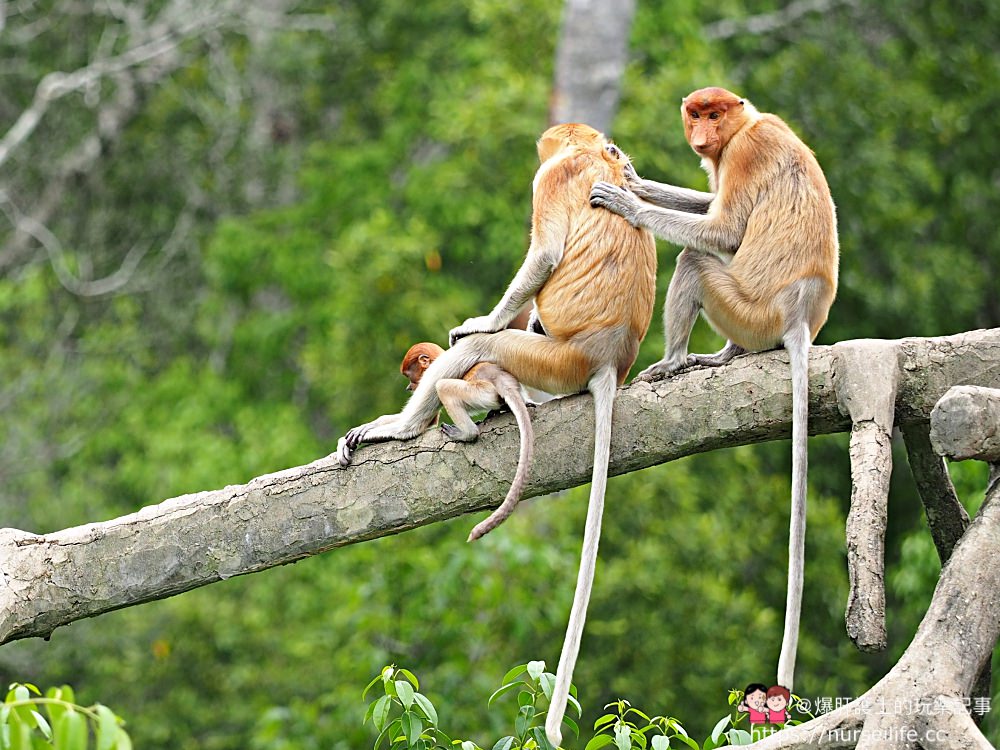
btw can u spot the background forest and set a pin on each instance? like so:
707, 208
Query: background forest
218, 239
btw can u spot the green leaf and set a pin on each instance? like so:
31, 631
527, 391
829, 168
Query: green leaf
739, 737
541, 739
122, 740
503, 689
20, 736
660, 742
370, 685
410, 676
71, 731
687, 741
54, 710
604, 721
575, 704
370, 712
427, 707
599, 741
523, 721
505, 743
548, 683
573, 726
467, 745
42, 724
639, 713
720, 727
107, 728
535, 669
515, 672
623, 736
381, 712
404, 691
525, 698
412, 727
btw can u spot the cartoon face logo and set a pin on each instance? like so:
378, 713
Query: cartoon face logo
757, 700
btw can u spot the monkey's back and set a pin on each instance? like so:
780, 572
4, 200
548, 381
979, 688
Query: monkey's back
602, 253
791, 225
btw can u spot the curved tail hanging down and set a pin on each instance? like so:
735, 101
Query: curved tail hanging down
602, 386
797, 344
510, 392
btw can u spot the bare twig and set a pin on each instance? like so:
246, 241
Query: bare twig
768, 22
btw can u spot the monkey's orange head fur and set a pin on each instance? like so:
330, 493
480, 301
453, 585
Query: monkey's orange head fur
711, 116
417, 359
581, 137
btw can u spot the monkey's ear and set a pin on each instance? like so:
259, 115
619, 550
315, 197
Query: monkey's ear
613, 150
425, 360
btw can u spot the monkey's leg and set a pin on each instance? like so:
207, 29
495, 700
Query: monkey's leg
460, 398
684, 299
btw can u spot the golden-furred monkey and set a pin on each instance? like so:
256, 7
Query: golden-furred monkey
760, 263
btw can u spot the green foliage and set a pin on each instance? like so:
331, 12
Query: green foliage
64, 724
405, 719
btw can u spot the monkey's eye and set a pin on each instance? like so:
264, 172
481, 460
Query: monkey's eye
694, 115
714, 116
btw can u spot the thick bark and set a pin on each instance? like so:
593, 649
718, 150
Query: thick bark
53, 579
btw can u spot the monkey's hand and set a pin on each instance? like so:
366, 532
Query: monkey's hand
616, 200
482, 324
343, 452
632, 178
376, 431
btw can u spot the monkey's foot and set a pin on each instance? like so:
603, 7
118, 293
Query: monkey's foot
663, 369
456, 433
616, 200
721, 357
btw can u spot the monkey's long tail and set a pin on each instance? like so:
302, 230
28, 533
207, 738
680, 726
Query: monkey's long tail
511, 393
602, 386
797, 344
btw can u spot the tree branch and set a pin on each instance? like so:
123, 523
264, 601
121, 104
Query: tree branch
867, 388
53, 579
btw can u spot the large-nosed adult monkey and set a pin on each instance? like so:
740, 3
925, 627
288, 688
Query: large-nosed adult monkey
483, 388
592, 277
760, 263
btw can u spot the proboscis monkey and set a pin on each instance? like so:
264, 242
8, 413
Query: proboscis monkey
482, 388
760, 263
592, 277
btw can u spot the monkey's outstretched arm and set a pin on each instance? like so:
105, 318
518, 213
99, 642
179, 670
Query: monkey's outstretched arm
720, 232
530, 277
670, 196
549, 227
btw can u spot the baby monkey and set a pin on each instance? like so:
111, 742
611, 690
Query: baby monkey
484, 387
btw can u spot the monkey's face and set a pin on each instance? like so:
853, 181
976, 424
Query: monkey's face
417, 360
710, 118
